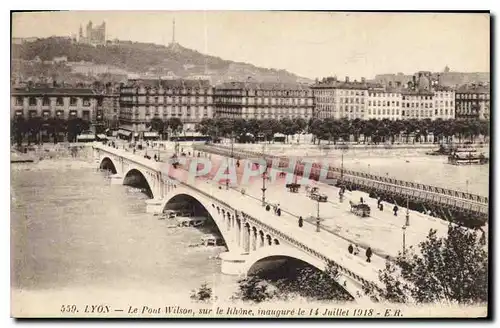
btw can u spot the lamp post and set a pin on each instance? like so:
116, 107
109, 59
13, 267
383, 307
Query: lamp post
342, 167
264, 177
230, 162
317, 217
467, 186
407, 224
404, 240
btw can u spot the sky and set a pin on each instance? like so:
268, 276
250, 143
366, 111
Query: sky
309, 44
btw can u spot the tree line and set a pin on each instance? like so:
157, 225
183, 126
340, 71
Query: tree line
334, 130
31, 129
57, 129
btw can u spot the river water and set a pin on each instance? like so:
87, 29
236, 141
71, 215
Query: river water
72, 230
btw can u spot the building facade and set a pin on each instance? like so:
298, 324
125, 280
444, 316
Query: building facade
62, 103
142, 100
250, 100
384, 103
417, 104
473, 102
444, 103
340, 99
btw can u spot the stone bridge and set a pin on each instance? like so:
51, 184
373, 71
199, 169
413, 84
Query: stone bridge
254, 238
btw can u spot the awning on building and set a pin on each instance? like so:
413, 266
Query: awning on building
124, 133
86, 137
102, 136
152, 134
136, 135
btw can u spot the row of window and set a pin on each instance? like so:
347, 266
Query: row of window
396, 112
32, 101
85, 114
418, 98
154, 91
473, 96
422, 105
342, 92
383, 103
383, 94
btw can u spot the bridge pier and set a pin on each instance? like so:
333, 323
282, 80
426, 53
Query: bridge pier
154, 206
233, 263
116, 179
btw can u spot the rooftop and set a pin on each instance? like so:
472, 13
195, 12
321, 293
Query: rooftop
262, 86
416, 92
167, 84
334, 84
49, 91
473, 88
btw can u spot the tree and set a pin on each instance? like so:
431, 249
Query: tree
202, 294
175, 124
75, 127
255, 289
158, 125
453, 268
18, 129
34, 126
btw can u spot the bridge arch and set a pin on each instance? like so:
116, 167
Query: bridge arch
261, 257
136, 178
107, 164
269, 258
224, 219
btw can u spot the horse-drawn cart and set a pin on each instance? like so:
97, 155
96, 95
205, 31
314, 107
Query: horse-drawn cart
360, 209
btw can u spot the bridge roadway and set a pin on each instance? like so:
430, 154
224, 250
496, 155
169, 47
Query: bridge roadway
323, 244
465, 202
382, 231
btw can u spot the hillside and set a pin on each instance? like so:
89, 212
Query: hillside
141, 58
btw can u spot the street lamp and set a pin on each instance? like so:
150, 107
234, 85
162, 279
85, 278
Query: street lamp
404, 240
407, 224
317, 217
342, 167
467, 186
264, 177
232, 150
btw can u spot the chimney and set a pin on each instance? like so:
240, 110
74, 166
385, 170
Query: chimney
347, 78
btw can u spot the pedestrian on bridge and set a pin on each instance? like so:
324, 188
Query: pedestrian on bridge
301, 222
268, 208
368, 254
356, 250
395, 209
361, 200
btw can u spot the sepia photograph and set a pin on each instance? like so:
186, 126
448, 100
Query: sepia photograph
250, 164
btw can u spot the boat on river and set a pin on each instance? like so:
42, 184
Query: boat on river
467, 156
194, 221
212, 240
